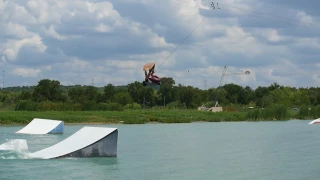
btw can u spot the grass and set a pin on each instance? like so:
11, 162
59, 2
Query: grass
126, 116
134, 116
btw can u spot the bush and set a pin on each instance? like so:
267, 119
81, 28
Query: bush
176, 105
132, 106
315, 112
303, 112
52, 106
114, 107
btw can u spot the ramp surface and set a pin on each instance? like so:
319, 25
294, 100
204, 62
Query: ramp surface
316, 121
43, 126
87, 142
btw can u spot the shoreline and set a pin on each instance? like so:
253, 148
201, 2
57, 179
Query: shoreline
148, 116
155, 122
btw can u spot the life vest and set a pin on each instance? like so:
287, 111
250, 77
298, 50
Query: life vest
155, 79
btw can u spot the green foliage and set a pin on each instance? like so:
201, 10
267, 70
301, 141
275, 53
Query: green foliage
167, 92
123, 98
315, 112
48, 90
277, 101
303, 112
235, 93
275, 112
52, 106
176, 105
232, 108
132, 106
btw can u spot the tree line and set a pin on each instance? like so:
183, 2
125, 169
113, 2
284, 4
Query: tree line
51, 95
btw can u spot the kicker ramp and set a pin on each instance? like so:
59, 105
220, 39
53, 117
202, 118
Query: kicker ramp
87, 142
43, 126
316, 121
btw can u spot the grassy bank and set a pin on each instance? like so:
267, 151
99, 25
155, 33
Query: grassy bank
127, 116
143, 116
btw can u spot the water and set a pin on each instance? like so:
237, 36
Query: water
234, 150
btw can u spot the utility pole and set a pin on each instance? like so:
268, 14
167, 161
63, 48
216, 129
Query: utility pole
3, 79
221, 81
205, 84
92, 83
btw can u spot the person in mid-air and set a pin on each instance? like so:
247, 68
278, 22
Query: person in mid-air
150, 77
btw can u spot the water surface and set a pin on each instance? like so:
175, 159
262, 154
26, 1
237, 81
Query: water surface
225, 150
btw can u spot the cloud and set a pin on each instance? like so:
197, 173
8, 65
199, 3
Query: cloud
304, 18
52, 32
79, 41
103, 28
12, 47
26, 72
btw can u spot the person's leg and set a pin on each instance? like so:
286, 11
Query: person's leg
146, 75
144, 83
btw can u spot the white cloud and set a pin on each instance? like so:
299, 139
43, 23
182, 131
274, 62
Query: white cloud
17, 30
103, 10
53, 33
273, 36
19, 14
48, 67
3, 59
12, 47
114, 41
159, 28
237, 40
308, 42
76, 63
103, 28
124, 64
304, 18
26, 72
44, 11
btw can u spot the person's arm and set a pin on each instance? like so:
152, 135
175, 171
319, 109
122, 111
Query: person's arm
146, 75
152, 71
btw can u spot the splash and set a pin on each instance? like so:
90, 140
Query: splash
14, 155
16, 145
14, 149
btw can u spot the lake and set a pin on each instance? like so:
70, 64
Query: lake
224, 150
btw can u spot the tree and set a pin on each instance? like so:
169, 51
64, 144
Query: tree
25, 95
266, 101
77, 94
134, 89
249, 95
188, 95
47, 90
261, 91
109, 92
123, 98
235, 93
314, 95
91, 93
284, 96
166, 91
140, 94
274, 86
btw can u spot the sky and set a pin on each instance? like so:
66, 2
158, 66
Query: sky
100, 42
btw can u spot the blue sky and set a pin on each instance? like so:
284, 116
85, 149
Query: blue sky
109, 41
